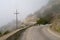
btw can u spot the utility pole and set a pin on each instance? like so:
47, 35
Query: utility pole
16, 19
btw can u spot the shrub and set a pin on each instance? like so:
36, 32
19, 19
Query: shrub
0, 34
6, 32
42, 21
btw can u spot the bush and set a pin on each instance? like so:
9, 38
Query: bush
0, 34
6, 32
42, 21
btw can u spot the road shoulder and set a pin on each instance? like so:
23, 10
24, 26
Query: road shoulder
53, 33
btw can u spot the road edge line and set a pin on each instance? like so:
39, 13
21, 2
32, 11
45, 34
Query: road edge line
53, 33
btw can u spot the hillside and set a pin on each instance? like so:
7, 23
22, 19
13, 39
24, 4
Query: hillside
52, 9
10, 26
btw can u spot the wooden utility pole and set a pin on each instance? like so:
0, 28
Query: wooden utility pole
16, 19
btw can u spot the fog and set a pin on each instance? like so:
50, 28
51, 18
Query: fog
24, 8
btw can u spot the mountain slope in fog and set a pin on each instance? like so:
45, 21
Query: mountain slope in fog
47, 8
53, 9
10, 26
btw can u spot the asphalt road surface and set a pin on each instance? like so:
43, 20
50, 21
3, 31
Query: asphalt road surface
37, 33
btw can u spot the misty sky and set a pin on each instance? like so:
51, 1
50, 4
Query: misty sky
24, 7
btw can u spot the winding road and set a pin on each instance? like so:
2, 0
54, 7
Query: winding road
37, 33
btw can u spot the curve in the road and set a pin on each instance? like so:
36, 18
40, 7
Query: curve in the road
37, 33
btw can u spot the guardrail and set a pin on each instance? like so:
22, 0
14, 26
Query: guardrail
13, 35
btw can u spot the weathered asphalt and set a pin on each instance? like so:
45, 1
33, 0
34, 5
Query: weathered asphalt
37, 33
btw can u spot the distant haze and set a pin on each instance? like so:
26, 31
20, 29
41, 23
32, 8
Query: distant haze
24, 7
